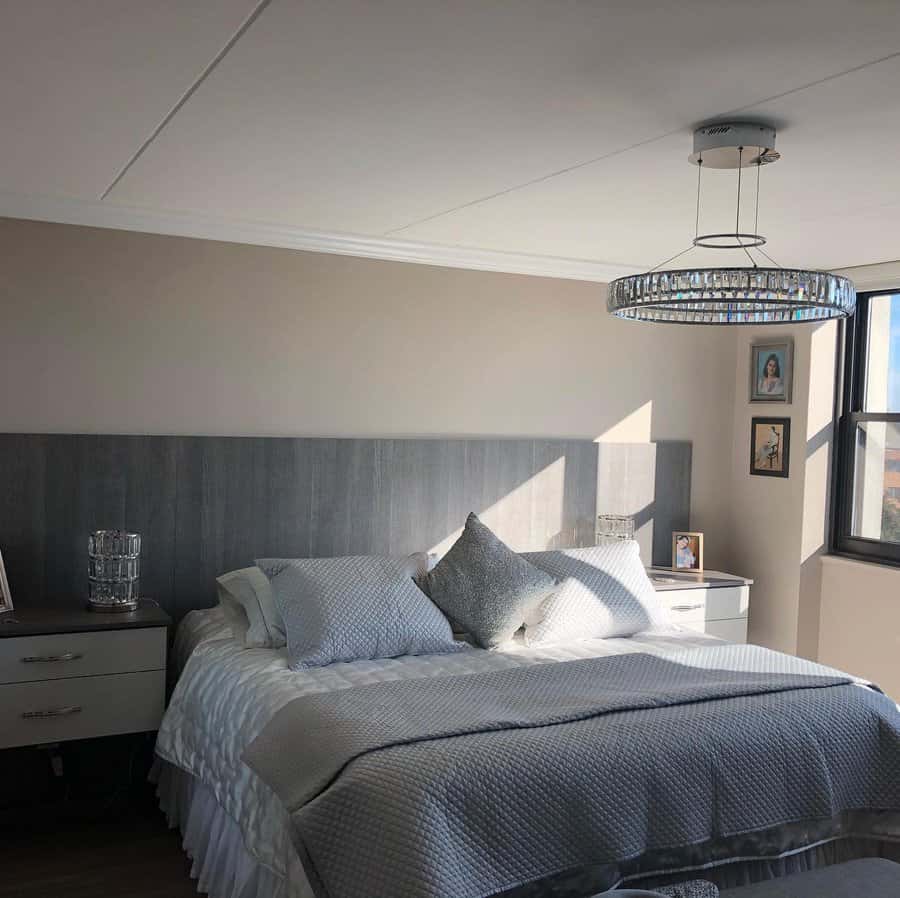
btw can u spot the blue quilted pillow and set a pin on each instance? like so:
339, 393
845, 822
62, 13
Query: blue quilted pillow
356, 607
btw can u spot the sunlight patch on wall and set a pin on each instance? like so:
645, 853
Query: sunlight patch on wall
635, 428
626, 484
530, 516
822, 361
815, 503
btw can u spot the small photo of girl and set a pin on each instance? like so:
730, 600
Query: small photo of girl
687, 551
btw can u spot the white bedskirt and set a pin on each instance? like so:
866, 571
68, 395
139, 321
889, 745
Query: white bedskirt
221, 865
224, 868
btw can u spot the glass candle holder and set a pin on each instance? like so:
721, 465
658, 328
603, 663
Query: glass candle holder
114, 569
614, 526
114, 543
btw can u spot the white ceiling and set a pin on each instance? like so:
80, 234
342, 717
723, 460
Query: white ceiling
529, 132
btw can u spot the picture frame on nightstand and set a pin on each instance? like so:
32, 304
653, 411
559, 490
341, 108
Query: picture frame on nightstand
6, 602
687, 551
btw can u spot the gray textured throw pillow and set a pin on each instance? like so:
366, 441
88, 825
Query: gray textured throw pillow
356, 607
485, 588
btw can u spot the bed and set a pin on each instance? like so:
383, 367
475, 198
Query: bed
239, 833
238, 498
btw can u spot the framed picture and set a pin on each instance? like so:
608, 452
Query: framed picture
687, 551
5, 597
771, 371
770, 446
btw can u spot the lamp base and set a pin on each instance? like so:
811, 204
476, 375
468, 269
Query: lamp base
113, 607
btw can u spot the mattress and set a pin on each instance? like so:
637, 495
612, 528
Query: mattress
226, 694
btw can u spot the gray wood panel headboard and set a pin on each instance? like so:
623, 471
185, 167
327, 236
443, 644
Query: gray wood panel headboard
206, 505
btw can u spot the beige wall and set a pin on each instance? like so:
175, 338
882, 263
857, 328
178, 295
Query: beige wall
779, 527
843, 613
860, 620
767, 512
110, 331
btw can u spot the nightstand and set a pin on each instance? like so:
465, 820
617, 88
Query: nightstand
708, 602
70, 673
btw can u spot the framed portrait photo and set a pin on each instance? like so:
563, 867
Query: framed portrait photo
6, 603
771, 371
770, 446
687, 551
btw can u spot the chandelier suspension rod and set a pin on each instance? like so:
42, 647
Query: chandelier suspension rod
770, 259
697, 221
737, 211
670, 259
756, 219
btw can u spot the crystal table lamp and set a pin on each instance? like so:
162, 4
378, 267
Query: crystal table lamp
114, 569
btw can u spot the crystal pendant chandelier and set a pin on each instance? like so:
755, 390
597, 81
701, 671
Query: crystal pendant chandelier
753, 294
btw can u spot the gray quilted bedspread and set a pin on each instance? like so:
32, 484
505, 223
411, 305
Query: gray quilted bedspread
469, 786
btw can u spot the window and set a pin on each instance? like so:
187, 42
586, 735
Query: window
868, 464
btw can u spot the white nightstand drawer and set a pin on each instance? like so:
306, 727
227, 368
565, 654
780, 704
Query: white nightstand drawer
80, 708
720, 603
57, 656
730, 630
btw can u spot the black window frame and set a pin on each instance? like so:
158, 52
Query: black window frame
853, 394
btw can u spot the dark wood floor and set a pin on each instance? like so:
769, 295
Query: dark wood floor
132, 854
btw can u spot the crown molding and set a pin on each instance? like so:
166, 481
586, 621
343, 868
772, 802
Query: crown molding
880, 276
182, 224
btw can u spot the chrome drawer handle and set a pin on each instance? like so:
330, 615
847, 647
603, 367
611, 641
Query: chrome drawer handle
52, 659
52, 712
696, 607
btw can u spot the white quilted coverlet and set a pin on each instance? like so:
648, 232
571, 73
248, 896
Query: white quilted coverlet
227, 693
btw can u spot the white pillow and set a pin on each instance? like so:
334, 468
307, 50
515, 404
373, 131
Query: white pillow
234, 614
604, 591
246, 598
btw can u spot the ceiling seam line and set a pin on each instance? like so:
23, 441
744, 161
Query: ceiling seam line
534, 181
579, 165
241, 31
824, 80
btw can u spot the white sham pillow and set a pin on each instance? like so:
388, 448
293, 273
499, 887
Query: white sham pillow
603, 591
249, 606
